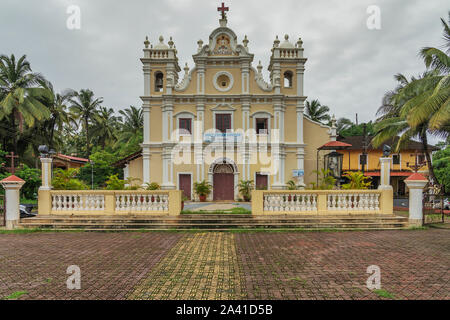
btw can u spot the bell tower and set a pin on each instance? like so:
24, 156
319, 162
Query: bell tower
287, 67
160, 67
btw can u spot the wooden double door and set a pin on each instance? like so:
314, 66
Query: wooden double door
223, 182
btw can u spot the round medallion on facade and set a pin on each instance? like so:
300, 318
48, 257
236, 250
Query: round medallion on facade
223, 81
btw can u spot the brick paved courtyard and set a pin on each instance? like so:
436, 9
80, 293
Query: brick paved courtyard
414, 264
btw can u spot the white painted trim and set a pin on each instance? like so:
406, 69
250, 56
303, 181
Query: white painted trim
192, 182
225, 73
184, 115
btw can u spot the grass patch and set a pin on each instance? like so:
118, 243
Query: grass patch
384, 293
302, 282
28, 201
230, 211
36, 230
15, 295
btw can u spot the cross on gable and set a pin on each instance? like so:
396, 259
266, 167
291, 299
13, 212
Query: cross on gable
12, 169
223, 9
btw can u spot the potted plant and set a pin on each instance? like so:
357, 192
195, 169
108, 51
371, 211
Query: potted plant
291, 186
202, 189
183, 199
152, 186
245, 188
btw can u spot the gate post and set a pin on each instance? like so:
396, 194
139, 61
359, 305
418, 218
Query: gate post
12, 186
416, 183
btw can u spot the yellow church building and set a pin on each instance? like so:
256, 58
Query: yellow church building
221, 121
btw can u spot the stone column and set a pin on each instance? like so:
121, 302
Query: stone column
12, 186
415, 184
46, 174
385, 174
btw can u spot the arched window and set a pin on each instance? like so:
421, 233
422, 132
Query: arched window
288, 79
159, 82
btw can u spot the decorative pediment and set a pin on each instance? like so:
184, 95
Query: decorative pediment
223, 107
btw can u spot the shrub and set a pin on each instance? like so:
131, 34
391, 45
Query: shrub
66, 180
291, 185
357, 180
152, 186
326, 180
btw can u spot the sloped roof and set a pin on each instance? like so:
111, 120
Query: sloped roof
335, 145
357, 143
71, 158
12, 178
121, 163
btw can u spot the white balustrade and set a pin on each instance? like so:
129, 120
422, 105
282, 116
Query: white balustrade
290, 202
344, 201
78, 202
142, 202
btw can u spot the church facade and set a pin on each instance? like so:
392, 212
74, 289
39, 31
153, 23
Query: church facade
221, 121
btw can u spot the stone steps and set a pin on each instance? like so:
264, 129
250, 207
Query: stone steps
215, 222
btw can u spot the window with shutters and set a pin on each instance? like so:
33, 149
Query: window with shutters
223, 122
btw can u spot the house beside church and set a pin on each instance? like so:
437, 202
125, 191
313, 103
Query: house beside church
221, 121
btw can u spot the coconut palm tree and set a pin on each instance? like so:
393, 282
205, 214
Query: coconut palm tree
317, 112
435, 100
59, 115
84, 106
393, 120
20, 94
132, 127
105, 126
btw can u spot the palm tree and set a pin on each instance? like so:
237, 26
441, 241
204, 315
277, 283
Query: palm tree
343, 124
435, 100
132, 127
393, 120
105, 126
20, 91
59, 115
84, 107
317, 112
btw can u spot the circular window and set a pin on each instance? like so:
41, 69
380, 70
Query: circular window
223, 81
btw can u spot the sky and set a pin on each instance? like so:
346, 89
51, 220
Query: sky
349, 66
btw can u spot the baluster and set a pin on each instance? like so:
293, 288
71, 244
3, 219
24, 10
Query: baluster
266, 202
365, 202
344, 201
297, 203
377, 202
53, 202
371, 202
314, 202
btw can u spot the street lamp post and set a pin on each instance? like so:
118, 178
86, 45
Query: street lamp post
92, 174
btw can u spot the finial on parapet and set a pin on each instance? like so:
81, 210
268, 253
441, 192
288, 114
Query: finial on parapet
146, 42
259, 67
245, 41
170, 43
276, 42
200, 45
299, 43
333, 121
186, 68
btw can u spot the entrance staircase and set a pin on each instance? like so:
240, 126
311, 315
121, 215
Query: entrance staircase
216, 222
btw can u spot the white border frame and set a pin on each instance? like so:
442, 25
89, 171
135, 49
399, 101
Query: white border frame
217, 75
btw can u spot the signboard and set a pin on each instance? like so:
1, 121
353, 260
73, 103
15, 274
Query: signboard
222, 137
298, 173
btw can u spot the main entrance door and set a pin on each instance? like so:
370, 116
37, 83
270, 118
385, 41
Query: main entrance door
223, 182
185, 185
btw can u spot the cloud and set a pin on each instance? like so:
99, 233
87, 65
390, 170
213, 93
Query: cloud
349, 67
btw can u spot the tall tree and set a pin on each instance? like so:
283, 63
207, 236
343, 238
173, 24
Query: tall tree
317, 112
393, 118
131, 131
84, 106
20, 94
105, 126
435, 101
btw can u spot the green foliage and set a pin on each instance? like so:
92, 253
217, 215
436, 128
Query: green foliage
202, 188
153, 186
326, 180
291, 185
357, 181
32, 178
67, 180
357, 130
317, 112
441, 163
245, 189
102, 168
114, 183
